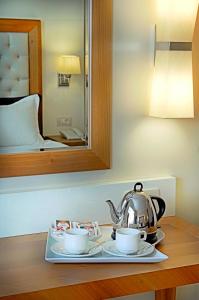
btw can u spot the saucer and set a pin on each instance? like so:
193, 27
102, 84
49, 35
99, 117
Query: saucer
58, 248
144, 249
160, 236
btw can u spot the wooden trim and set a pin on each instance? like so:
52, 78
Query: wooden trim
166, 294
35, 63
35, 66
195, 65
98, 157
102, 78
18, 25
49, 162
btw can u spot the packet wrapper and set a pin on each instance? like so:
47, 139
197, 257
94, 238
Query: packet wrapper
92, 227
60, 226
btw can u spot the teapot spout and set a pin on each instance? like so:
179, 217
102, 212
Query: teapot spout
115, 216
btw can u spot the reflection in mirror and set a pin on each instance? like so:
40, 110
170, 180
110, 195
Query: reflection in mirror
63, 103
98, 155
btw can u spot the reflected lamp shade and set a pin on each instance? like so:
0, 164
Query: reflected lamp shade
69, 64
172, 86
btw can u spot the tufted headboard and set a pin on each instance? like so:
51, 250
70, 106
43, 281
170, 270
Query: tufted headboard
14, 64
20, 60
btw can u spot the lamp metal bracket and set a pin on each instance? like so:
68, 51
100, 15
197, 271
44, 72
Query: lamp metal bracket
170, 45
64, 79
174, 46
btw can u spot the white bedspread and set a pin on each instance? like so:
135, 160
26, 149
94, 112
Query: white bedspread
46, 144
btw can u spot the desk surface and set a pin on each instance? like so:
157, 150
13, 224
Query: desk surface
63, 140
24, 272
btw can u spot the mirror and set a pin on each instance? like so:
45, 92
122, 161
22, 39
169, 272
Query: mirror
67, 44
97, 154
64, 44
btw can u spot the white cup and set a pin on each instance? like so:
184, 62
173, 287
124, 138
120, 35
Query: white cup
128, 239
76, 240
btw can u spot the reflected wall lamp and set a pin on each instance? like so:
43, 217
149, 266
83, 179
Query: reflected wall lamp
172, 87
68, 65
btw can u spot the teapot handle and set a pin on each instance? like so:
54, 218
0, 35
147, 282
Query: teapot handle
161, 205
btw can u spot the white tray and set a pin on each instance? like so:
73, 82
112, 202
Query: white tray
101, 257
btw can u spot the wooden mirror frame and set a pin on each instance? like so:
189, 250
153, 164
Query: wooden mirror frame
98, 155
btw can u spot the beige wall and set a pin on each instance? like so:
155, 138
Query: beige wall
143, 147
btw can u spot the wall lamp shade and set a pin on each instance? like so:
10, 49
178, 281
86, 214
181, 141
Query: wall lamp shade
172, 87
67, 65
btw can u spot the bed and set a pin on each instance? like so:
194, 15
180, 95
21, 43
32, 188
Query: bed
21, 87
19, 126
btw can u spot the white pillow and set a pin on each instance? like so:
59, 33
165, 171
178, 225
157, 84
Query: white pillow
19, 122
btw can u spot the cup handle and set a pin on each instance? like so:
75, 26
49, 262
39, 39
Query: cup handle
143, 233
57, 237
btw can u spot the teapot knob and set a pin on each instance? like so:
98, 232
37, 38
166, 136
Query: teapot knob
136, 185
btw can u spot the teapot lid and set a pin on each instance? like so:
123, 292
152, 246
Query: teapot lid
136, 193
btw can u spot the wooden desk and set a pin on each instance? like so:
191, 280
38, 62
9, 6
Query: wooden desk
25, 274
63, 140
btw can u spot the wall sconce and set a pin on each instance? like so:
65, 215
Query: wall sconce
68, 65
172, 88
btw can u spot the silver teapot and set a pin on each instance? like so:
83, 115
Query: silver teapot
138, 210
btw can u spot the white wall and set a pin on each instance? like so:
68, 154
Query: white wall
19, 209
143, 147
62, 33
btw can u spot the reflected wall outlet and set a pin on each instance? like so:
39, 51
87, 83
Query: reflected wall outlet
64, 121
152, 192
